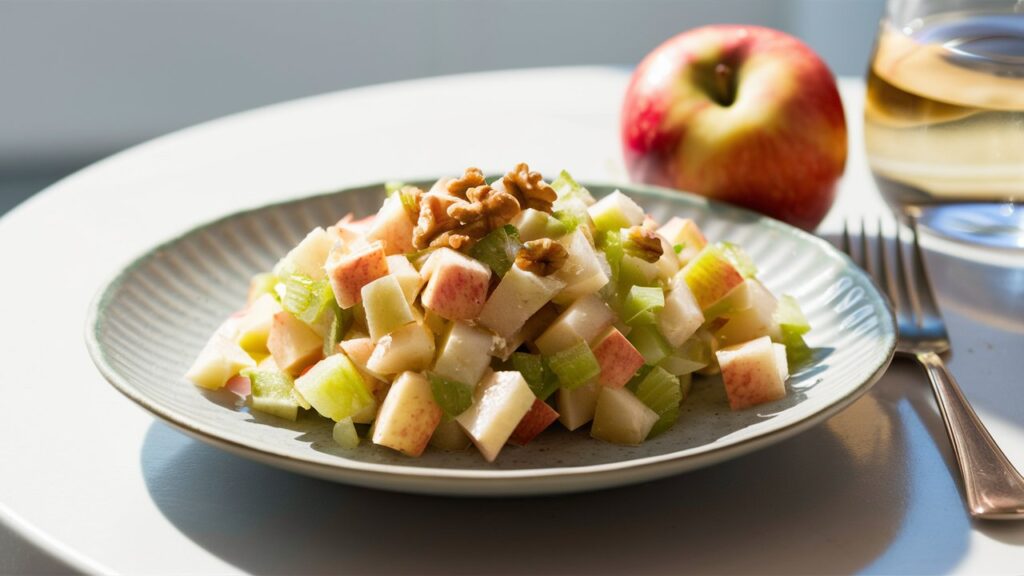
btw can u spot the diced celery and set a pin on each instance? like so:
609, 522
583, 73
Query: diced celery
341, 321
650, 343
739, 259
345, 433
611, 244
498, 249
677, 248
575, 366
642, 304
797, 350
660, 391
571, 220
393, 186
272, 392
635, 271
567, 187
307, 299
693, 355
334, 388
541, 379
453, 397
789, 316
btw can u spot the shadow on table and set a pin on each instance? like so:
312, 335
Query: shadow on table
881, 500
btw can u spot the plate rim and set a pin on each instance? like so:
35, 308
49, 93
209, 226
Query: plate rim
484, 482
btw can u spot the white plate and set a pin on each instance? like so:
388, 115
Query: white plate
148, 323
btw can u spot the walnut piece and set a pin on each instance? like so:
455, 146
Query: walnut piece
433, 221
471, 178
529, 188
542, 256
485, 206
644, 244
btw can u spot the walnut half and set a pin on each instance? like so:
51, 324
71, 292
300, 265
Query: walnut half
485, 205
543, 256
644, 244
529, 188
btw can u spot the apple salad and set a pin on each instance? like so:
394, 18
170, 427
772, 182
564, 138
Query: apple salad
481, 313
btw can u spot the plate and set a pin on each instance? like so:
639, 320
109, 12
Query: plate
149, 322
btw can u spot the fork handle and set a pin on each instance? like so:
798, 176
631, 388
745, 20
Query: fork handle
995, 490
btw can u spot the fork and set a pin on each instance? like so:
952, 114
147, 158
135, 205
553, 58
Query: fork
994, 489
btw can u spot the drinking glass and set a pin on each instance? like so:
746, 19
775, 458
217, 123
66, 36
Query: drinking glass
944, 116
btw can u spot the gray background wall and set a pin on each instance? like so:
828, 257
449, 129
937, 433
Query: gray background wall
81, 79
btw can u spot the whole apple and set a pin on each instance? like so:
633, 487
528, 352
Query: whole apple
743, 114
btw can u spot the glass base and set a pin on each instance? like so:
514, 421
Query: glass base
995, 225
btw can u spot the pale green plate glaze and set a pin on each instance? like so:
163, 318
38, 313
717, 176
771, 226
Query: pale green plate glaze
148, 323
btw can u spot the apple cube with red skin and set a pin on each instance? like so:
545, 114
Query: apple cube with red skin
683, 232
308, 257
710, 276
456, 285
293, 344
576, 406
752, 374
517, 297
585, 319
540, 416
350, 271
499, 404
411, 347
392, 227
738, 113
408, 416
621, 418
618, 358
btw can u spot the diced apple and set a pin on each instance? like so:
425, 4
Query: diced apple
254, 324
756, 320
499, 404
681, 316
293, 344
450, 436
751, 373
710, 276
408, 278
615, 211
456, 285
349, 272
618, 358
533, 423
668, 264
308, 257
582, 271
465, 354
780, 361
576, 406
533, 224
504, 347
518, 296
683, 232
392, 227
586, 319
411, 347
334, 388
408, 416
386, 307
621, 418
219, 360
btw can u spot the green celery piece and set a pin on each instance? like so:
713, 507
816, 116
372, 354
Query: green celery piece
321, 302
298, 293
264, 283
611, 244
409, 202
660, 391
340, 323
693, 355
650, 343
789, 316
453, 397
565, 186
568, 218
498, 249
575, 366
345, 434
334, 388
678, 248
641, 305
272, 393
393, 186
738, 258
541, 379
798, 352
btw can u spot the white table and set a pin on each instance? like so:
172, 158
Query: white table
92, 479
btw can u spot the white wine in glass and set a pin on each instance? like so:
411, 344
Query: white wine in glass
944, 116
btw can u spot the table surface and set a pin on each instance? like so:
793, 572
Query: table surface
95, 481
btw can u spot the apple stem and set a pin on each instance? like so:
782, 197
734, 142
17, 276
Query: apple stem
724, 83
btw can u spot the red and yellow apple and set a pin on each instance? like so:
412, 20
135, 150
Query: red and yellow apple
743, 114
